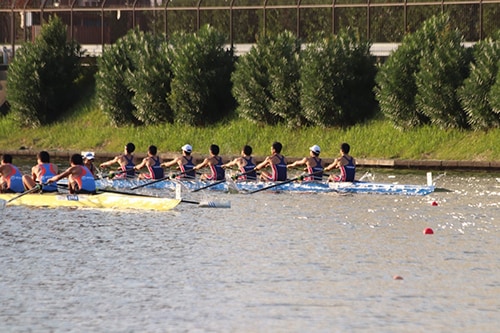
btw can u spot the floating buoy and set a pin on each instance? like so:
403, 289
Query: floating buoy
428, 231
397, 277
434, 203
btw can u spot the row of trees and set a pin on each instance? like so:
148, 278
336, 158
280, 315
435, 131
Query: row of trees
192, 79
332, 81
433, 78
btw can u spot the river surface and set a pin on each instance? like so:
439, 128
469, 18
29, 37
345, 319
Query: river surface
273, 262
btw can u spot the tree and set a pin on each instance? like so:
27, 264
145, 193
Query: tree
418, 83
201, 85
476, 95
42, 77
266, 81
337, 80
114, 96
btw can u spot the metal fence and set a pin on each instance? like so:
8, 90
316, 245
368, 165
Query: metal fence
102, 22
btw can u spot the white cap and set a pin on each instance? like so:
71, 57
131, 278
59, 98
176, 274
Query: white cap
88, 155
315, 149
187, 148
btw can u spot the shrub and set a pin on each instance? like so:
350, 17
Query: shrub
476, 95
494, 95
201, 85
114, 96
42, 76
441, 72
150, 78
396, 86
266, 81
337, 80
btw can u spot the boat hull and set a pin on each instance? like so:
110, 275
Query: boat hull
249, 186
101, 201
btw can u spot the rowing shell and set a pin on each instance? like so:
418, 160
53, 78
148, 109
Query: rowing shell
102, 200
249, 186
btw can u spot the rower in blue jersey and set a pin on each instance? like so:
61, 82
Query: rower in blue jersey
276, 162
214, 162
184, 163
125, 161
41, 172
346, 164
153, 163
245, 164
313, 164
80, 179
11, 179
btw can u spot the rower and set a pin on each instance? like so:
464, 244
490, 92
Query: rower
345, 163
214, 162
184, 162
80, 179
313, 164
153, 163
11, 179
125, 160
245, 163
41, 172
276, 162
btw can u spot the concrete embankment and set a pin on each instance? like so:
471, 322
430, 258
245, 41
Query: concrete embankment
361, 162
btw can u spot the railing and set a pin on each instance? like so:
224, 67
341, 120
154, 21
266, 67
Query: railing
101, 22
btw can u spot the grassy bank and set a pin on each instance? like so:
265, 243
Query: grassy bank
88, 129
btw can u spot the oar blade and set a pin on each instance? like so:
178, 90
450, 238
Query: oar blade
214, 204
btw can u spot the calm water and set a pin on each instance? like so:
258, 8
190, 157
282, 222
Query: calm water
274, 262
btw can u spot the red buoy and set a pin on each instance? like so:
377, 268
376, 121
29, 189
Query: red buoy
428, 231
434, 203
397, 277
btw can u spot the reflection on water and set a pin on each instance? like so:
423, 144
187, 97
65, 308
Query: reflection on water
274, 262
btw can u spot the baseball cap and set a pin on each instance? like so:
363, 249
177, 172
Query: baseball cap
315, 149
88, 155
187, 148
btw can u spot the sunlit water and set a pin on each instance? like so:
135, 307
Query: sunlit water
273, 262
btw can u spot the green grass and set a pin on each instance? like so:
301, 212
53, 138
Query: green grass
87, 128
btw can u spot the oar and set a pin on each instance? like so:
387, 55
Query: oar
243, 174
287, 181
35, 188
210, 185
159, 180
223, 180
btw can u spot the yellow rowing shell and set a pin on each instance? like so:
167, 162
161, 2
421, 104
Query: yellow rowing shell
102, 200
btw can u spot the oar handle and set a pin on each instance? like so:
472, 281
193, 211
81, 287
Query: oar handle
243, 174
112, 174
